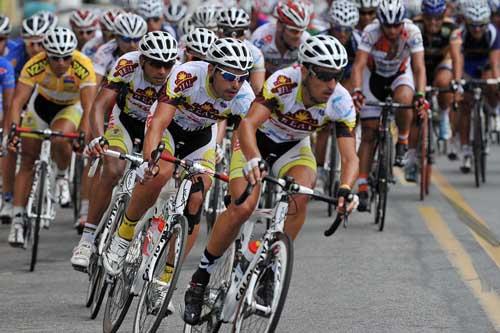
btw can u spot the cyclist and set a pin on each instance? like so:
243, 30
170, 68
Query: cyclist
196, 44
130, 89
129, 29
481, 52
84, 24
33, 30
367, 13
279, 42
65, 85
443, 61
106, 23
390, 54
295, 102
234, 22
495, 12
173, 13
196, 96
205, 17
152, 12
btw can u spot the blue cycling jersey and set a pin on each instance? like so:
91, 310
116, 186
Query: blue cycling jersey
15, 53
7, 78
476, 52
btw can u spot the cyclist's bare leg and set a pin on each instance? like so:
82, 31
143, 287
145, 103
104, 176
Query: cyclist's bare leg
8, 171
228, 224
22, 187
404, 95
491, 91
194, 206
368, 138
307, 177
465, 118
61, 148
112, 171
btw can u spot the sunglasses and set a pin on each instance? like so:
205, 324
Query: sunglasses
326, 76
228, 76
233, 33
475, 25
58, 58
433, 17
130, 39
340, 29
161, 64
33, 43
3, 39
86, 32
155, 19
367, 12
394, 25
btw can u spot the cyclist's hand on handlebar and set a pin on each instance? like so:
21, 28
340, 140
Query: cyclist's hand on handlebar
358, 98
97, 146
253, 172
147, 171
421, 105
13, 142
347, 201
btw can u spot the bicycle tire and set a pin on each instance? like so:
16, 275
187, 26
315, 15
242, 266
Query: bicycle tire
383, 174
92, 279
279, 297
76, 190
477, 146
120, 296
332, 172
215, 199
422, 154
431, 145
179, 223
484, 139
39, 211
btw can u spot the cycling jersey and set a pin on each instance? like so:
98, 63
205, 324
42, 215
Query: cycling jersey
105, 57
264, 38
436, 46
15, 53
388, 58
7, 78
290, 120
351, 47
62, 90
135, 93
476, 52
170, 29
257, 56
188, 89
90, 48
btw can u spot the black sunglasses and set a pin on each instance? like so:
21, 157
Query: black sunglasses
57, 58
233, 33
161, 64
367, 12
326, 76
394, 25
155, 19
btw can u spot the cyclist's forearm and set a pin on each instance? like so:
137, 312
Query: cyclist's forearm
87, 97
7, 96
350, 160
420, 79
152, 139
221, 131
248, 141
457, 61
495, 63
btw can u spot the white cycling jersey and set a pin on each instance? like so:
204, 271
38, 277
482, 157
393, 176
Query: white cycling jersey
127, 77
258, 58
90, 48
105, 57
264, 38
290, 120
388, 58
188, 89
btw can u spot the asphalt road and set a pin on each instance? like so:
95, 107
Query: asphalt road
435, 268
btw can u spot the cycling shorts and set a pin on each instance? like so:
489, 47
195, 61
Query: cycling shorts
123, 130
287, 156
42, 113
374, 89
197, 146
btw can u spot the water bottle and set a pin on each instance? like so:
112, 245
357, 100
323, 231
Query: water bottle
248, 250
154, 231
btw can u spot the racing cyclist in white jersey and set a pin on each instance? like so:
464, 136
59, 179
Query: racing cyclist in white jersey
152, 12
296, 101
129, 29
173, 13
195, 44
84, 24
205, 17
106, 22
129, 90
367, 13
234, 22
390, 54
197, 95
280, 41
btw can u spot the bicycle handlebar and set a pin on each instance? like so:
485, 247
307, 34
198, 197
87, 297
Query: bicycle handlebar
393, 105
46, 132
194, 166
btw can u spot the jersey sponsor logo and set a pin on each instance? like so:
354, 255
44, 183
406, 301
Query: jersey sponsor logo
301, 120
146, 96
80, 71
183, 81
124, 67
283, 85
37, 68
3, 70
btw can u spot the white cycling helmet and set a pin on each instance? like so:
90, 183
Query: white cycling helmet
35, 26
200, 39
185, 26
174, 12
130, 25
158, 45
413, 7
83, 19
324, 51
149, 8
344, 13
5, 27
233, 18
107, 19
477, 12
60, 42
230, 53
367, 3
390, 12
293, 13
49, 17
205, 17
494, 5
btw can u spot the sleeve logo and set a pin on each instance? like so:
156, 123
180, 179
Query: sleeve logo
184, 81
124, 67
37, 67
80, 71
283, 85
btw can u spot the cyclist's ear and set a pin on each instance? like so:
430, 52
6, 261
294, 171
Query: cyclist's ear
142, 60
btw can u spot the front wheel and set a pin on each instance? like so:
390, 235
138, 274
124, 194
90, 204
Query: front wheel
261, 310
39, 203
157, 293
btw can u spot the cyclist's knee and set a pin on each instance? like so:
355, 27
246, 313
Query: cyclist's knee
368, 134
112, 173
403, 94
239, 214
442, 79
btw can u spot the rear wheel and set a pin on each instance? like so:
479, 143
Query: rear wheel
383, 174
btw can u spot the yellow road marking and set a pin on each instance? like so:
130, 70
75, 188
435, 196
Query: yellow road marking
478, 228
462, 262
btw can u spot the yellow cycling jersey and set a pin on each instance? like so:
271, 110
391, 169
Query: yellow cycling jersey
60, 90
